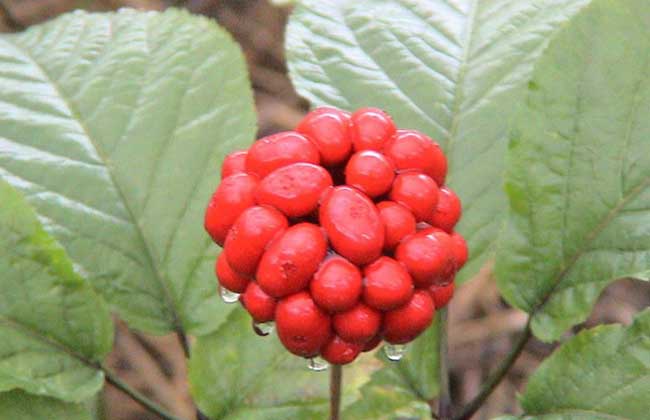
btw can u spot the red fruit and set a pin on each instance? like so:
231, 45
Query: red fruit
278, 150
441, 294
235, 194
291, 260
352, 224
294, 189
418, 192
398, 223
447, 211
407, 322
302, 326
228, 278
427, 257
370, 172
260, 305
234, 163
410, 149
358, 325
339, 352
373, 343
459, 249
336, 286
371, 127
328, 128
250, 235
387, 284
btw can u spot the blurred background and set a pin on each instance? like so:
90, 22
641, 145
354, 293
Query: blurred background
482, 326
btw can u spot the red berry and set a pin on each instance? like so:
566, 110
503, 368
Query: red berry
294, 189
302, 326
352, 224
441, 294
398, 223
410, 149
235, 194
228, 278
447, 212
260, 305
336, 286
339, 352
373, 343
417, 192
291, 260
328, 128
234, 163
370, 172
407, 322
387, 284
250, 235
459, 249
278, 150
371, 127
358, 325
427, 257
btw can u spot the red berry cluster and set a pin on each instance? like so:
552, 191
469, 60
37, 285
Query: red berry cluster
340, 231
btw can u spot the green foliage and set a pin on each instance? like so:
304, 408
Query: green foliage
54, 329
113, 125
601, 373
579, 169
18, 405
452, 70
403, 388
234, 374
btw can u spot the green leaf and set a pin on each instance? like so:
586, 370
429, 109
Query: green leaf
404, 388
114, 126
54, 329
452, 69
601, 373
234, 374
18, 405
579, 169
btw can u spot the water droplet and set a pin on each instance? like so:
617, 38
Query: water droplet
228, 296
263, 328
317, 364
394, 352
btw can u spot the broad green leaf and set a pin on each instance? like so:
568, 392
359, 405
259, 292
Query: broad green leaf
54, 329
601, 373
453, 69
114, 126
404, 388
579, 169
18, 405
234, 374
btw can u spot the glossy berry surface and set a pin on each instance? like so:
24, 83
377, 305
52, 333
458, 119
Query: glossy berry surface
341, 232
302, 326
337, 285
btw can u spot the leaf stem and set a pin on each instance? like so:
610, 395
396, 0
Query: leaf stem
185, 344
444, 398
114, 380
335, 391
496, 377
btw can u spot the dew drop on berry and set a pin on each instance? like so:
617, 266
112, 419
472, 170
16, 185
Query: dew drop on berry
317, 364
263, 328
394, 352
227, 296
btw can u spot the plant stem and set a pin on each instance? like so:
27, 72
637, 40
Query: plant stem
185, 344
112, 379
335, 391
444, 398
496, 377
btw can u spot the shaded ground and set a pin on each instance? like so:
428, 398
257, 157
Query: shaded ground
482, 325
